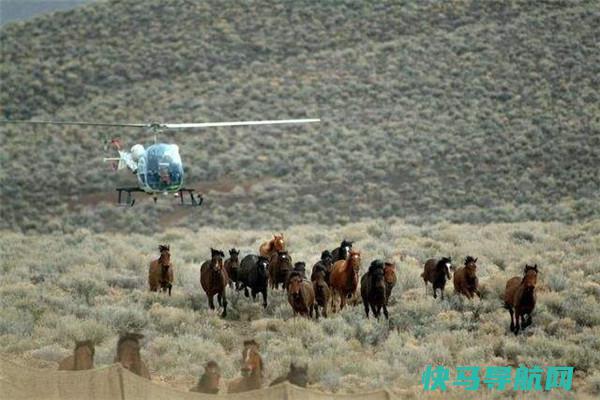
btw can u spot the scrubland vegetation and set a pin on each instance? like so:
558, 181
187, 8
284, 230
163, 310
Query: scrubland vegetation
82, 285
467, 111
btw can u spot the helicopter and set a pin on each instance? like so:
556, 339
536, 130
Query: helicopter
159, 168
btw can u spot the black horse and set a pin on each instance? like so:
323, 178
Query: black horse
341, 253
253, 274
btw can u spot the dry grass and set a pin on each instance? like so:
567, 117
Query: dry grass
94, 285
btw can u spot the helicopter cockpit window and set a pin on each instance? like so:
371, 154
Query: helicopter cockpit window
160, 168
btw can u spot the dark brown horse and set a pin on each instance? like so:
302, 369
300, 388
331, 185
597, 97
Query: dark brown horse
373, 290
301, 295
128, 354
82, 358
519, 298
437, 272
209, 381
343, 280
280, 266
213, 279
232, 266
322, 292
325, 263
267, 249
389, 273
298, 375
160, 273
252, 370
342, 252
465, 279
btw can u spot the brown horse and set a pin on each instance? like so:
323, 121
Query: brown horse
82, 358
209, 381
373, 290
321, 289
128, 354
298, 375
232, 266
325, 263
465, 279
301, 295
519, 298
280, 266
343, 279
267, 249
389, 273
437, 272
213, 279
252, 370
160, 273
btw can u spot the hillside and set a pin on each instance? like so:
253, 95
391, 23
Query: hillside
464, 111
58, 288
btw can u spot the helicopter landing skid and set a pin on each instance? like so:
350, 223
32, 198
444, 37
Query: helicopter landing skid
130, 200
193, 201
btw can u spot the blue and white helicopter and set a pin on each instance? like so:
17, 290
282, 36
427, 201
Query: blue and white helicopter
159, 167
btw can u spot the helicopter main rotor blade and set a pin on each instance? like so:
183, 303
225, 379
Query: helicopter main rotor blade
238, 123
73, 123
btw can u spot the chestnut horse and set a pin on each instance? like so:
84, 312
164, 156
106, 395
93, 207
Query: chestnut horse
389, 273
213, 279
252, 370
160, 273
267, 249
232, 266
209, 381
82, 358
519, 298
343, 279
128, 354
465, 279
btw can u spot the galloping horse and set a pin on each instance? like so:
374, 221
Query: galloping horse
519, 298
213, 279
280, 266
267, 249
343, 280
252, 370
82, 358
465, 279
160, 273
232, 266
301, 294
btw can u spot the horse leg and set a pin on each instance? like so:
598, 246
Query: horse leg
316, 309
224, 314
375, 311
512, 324
211, 305
517, 324
342, 301
366, 304
385, 311
264, 294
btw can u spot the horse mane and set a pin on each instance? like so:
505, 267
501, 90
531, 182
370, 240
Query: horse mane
443, 261
126, 337
469, 260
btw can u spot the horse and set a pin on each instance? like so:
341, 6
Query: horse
343, 279
160, 273
82, 358
232, 265
298, 375
373, 289
301, 295
128, 354
213, 279
325, 263
280, 265
465, 279
389, 273
252, 370
519, 298
267, 249
342, 252
209, 381
322, 292
437, 272
253, 274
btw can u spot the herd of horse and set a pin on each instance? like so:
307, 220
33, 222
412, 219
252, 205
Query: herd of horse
334, 280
